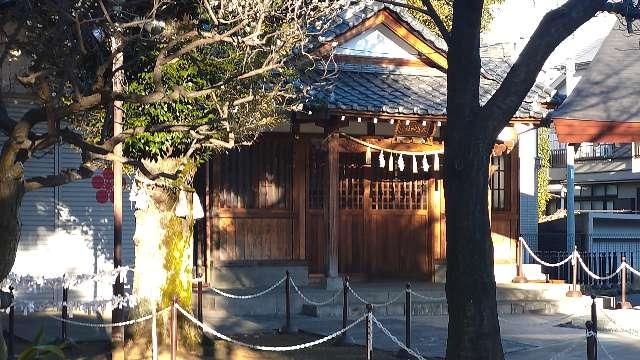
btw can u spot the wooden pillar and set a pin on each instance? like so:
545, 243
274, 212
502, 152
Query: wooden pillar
300, 166
117, 333
331, 210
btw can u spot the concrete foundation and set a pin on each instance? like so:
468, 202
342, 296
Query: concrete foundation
258, 274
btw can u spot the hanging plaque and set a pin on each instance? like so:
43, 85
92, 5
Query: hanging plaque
415, 129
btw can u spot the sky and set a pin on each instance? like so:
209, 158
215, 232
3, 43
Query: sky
515, 21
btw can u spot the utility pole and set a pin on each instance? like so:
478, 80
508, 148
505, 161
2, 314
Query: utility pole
117, 333
571, 226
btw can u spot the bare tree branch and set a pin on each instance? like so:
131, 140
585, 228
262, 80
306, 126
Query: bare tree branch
64, 177
428, 10
555, 26
431, 12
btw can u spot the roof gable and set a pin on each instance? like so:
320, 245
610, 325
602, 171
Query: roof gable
605, 105
380, 42
350, 25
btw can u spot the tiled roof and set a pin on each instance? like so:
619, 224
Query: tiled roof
359, 11
608, 91
400, 90
379, 89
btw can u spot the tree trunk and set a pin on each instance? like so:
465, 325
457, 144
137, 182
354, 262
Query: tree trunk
474, 331
163, 247
11, 194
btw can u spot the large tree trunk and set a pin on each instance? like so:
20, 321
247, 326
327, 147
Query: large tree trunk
11, 193
163, 250
474, 331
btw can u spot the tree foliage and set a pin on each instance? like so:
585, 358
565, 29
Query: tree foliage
198, 75
544, 154
444, 10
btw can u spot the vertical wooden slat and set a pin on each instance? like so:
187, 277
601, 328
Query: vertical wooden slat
366, 218
331, 207
434, 219
299, 174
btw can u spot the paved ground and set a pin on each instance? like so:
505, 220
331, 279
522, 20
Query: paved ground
524, 336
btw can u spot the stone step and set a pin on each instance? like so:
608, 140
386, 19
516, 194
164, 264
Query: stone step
511, 298
436, 308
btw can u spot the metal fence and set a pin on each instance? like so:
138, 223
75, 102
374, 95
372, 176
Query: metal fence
601, 263
601, 252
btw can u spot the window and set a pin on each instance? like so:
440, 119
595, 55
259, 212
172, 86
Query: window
255, 177
317, 159
399, 190
596, 197
499, 183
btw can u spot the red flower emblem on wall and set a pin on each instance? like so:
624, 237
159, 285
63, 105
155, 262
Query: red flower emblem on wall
103, 183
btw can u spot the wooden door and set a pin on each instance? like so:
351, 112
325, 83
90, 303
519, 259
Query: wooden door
384, 222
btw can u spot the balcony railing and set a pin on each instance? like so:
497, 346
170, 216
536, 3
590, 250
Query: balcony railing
558, 158
599, 152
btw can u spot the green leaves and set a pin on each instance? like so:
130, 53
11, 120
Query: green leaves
37, 350
544, 153
445, 11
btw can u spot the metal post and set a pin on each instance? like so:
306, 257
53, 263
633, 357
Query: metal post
154, 334
592, 329
65, 313
520, 278
571, 225
345, 338
11, 349
574, 292
288, 327
201, 277
624, 304
402, 353
174, 328
592, 341
369, 332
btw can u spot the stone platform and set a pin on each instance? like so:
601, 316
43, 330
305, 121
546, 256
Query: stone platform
512, 299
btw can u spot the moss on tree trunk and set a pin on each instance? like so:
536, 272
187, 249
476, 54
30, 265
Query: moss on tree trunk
163, 257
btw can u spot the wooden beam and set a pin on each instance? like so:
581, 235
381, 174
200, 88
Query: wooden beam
332, 210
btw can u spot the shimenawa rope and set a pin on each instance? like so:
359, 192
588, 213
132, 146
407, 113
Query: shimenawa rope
212, 331
252, 296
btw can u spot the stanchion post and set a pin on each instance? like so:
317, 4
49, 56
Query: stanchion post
174, 328
592, 329
11, 349
200, 280
574, 292
345, 338
288, 327
594, 313
402, 353
520, 278
154, 333
624, 304
592, 341
369, 332
65, 312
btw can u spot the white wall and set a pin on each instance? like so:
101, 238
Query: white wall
65, 230
528, 183
378, 42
